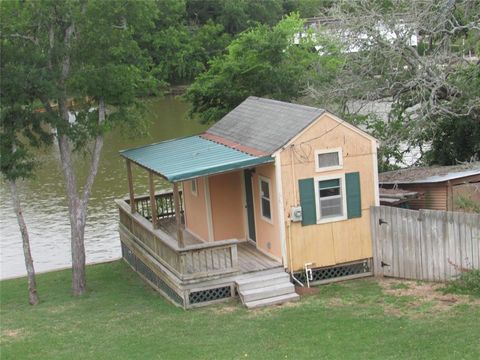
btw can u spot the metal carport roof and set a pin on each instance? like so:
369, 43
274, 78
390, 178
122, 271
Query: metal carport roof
191, 157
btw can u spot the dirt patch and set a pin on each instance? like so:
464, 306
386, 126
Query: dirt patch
12, 334
61, 308
302, 291
270, 310
224, 309
424, 296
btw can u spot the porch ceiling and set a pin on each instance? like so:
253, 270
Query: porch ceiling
191, 157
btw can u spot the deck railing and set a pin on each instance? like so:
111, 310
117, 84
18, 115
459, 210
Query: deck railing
189, 262
165, 205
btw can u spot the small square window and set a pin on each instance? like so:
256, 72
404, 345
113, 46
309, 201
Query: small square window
330, 159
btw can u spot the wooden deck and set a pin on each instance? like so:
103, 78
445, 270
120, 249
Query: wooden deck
250, 259
170, 227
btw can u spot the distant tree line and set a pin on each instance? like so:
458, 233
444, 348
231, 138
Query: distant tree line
188, 34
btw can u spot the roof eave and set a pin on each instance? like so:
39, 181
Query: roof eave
216, 170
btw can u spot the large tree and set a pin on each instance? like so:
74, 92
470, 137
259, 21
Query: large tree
276, 62
23, 130
420, 57
93, 61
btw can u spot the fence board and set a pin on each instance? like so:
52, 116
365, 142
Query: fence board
388, 243
425, 244
375, 214
475, 245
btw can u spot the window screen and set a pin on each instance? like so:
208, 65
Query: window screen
265, 199
328, 159
330, 198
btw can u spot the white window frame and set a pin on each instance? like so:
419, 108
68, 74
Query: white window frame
340, 177
326, 151
194, 191
260, 196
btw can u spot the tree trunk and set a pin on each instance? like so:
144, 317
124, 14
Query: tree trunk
76, 217
32, 284
77, 205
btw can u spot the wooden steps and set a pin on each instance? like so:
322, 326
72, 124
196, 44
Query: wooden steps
263, 288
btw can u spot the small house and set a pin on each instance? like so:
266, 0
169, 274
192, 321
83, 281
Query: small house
447, 188
272, 195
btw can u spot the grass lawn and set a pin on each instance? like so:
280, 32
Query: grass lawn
122, 318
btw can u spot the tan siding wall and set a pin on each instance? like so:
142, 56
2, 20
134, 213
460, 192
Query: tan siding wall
336, 242
195, 209
226, 199
268, 233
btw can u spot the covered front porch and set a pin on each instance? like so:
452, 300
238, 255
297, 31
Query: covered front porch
171, 237
198, 258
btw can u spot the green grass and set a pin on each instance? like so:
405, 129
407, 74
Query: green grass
122, 318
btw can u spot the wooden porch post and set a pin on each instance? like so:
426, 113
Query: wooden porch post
153, 202
178, 216
130, 186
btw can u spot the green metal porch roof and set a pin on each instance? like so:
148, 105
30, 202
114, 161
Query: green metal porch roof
191, 157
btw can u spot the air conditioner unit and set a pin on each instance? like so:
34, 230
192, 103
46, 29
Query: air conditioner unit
296, 213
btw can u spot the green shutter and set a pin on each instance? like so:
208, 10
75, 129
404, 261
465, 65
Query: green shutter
354, 198
307, 201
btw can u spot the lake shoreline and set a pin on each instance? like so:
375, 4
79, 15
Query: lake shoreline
45, 205
17, 277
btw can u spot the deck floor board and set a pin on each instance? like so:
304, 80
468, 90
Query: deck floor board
249, 257
170, 227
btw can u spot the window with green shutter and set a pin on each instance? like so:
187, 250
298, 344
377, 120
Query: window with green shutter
330, 198
333, 198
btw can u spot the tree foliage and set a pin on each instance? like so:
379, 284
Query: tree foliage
89, 54
23, 129
235, 15
274, 62
418, 58
190, 33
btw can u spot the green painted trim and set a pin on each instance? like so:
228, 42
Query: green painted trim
354, 197
327, 184
307, 201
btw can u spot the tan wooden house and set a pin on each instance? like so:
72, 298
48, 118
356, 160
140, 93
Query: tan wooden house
272, 195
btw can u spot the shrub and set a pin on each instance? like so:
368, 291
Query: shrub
467, 283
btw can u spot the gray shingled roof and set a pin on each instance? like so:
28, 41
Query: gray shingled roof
431, 174
264, 124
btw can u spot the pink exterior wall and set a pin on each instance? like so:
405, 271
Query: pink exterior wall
268, 232
226, 198
196, 209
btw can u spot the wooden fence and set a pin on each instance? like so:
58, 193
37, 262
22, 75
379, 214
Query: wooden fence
424, 245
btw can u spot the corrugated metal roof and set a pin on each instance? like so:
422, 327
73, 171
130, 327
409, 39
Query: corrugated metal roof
264, 124
190, 157
433, 174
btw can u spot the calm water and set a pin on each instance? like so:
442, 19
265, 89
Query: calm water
44, 203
